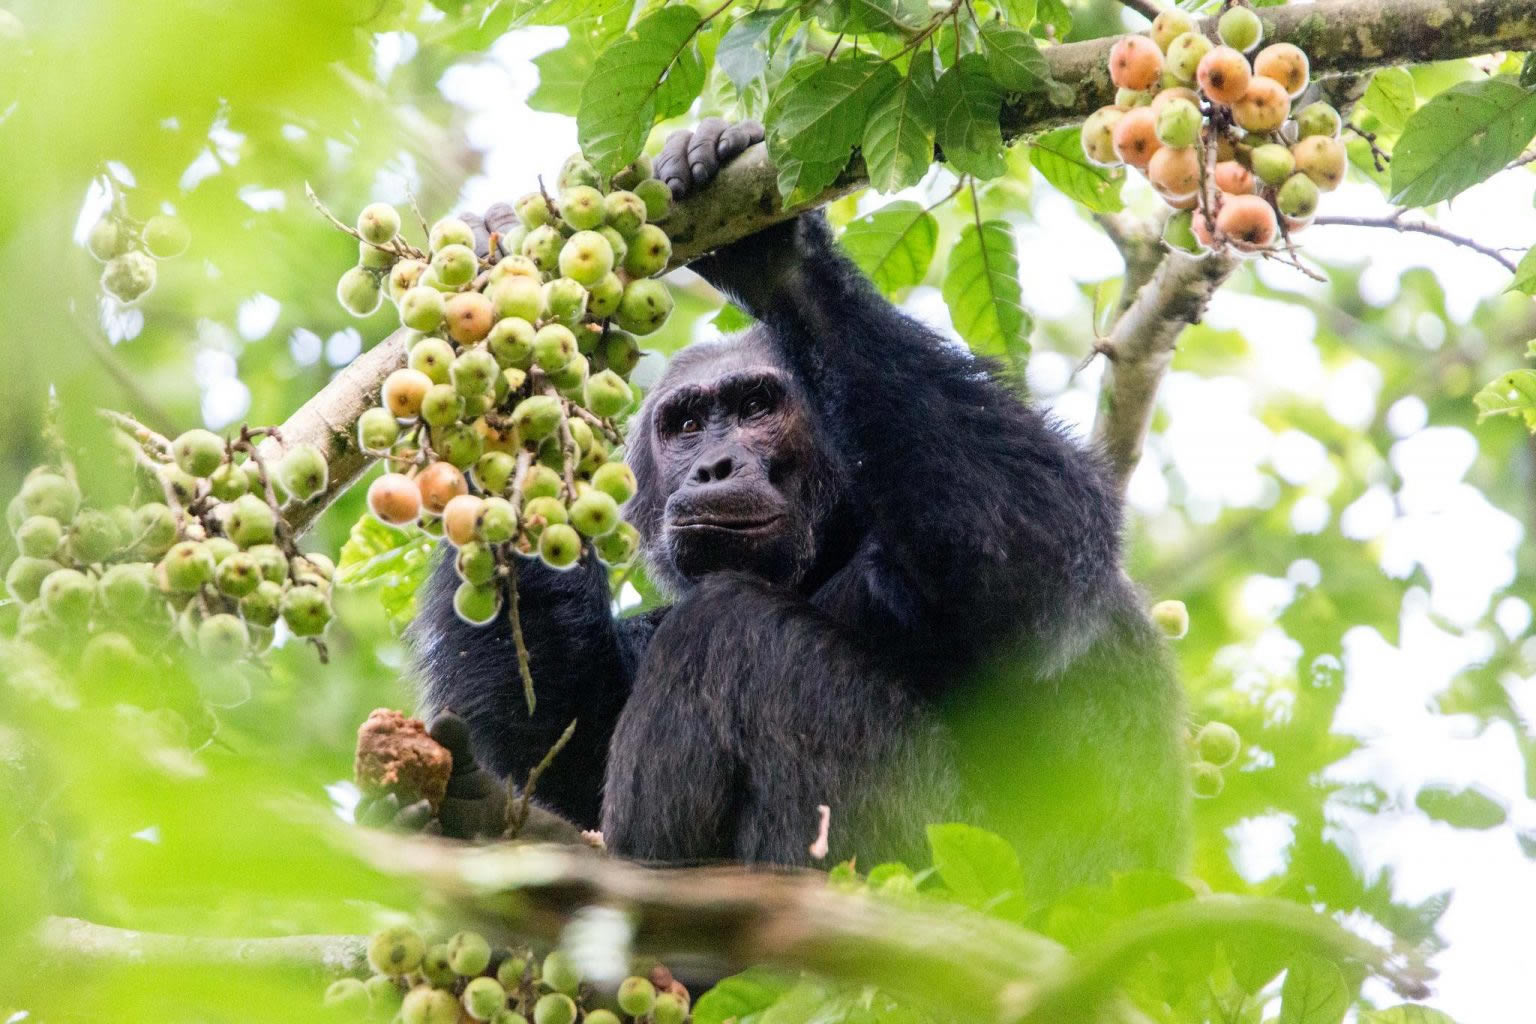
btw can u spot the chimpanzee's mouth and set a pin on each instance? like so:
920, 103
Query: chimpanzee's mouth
728, 524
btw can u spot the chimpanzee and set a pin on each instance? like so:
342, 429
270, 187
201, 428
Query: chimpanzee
897, 589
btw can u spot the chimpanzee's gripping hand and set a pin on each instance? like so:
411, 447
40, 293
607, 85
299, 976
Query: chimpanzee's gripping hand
690, 159
474, 807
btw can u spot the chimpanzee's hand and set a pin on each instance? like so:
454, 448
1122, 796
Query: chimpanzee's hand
474, 807
690, 159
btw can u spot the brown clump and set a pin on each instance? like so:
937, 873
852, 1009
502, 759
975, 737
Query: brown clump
395, 755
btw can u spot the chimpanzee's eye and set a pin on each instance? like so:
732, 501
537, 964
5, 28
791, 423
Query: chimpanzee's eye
690, 425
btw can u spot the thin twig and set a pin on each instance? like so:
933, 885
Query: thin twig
1148, 9
516, 621
521, 817
1379, 157
1394, 222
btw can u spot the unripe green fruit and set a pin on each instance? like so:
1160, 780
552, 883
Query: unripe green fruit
668, 1010
403, 276
560, 973
106, 239
187, 566
1206, 780
1172, 618
632, 173
594, 458
656, 196
222, 637
263, 605
378, 223
228, 482
130, 276
126, 589
108, 657
581, 434
198, 452
24, 579
238, 575
618, 547
608, 394
559, 546
542, 511
67, 594
616, 480
565, 300
182, 484
519, 297
581, 206
553, 346
1178, 125
270, 560
554, 1008
620, 352
601, 1017
384, 995
154, 529
435, 968
468, 953
493, 471
442, 405
348, 996
624, 212
510, 972
483, 997
571, 378
358, 292
251, 521
645, 306
533, 210
586, 257
306, 611
514, 264
475, 563
1298, 197
52, 495
429, 1006
450, 231
1185, 54
39, 536
543, 246
1169, 24
1179, 232
433, 357
458, 444
1318, 119
603, 297
455, 265
509, 1017
1240, 29
474, 372
377, 430
617, 242
636, 996
1218, 743
497, 523
371, 257
421, 309
93, 537
537, 417
220, 548
511, 342
594, 514
540, 482
577, 171
649, 251
303, 472
1273, 163
1128, 98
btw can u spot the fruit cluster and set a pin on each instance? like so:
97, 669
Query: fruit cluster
465, 979
130, 248
500, 427
1216, 745
197, 550
1215, 134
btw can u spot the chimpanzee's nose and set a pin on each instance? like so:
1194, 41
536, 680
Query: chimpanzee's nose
713, 470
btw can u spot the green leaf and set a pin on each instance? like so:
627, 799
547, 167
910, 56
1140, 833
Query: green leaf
820, 115
1470, 808
1509, 394
976, 865
732, 318
1459, 138
1058, 156
861, 16
968, 102
1014, 59
743, 50
894, 245
1056, 14
683, 83
392, 559
1020, 13
1390, 97
619, 101
1314, 992
562, 73
741, 996
1407, 1013
1525, 274
898, 139
981, 288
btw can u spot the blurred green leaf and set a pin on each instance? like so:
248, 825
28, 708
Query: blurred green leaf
967, 103
1407, 1013
1461, 137
1525, 274
1314, 992
1058, 156
1509, 394
741, 998
976, 865
562, 73
1471, 807
1020, 13
981, 288
893, 245
743, 50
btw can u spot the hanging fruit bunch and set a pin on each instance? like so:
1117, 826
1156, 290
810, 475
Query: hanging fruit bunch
1215, 132
130, 250
499, 429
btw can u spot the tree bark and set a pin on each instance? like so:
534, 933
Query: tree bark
1340, 37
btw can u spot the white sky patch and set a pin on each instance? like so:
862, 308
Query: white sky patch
257, 316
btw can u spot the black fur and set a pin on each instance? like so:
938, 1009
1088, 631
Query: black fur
950, 635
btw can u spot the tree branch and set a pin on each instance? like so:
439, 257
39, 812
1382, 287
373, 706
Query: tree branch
1140, 347
1394, 222
1340, 37
1148, 9
81, 946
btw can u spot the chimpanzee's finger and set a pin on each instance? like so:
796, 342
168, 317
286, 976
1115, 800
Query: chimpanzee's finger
703, 160
735, 140
672, 165
414, 817
482, 234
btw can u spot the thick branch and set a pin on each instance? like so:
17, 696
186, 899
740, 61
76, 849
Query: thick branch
81, 946
1340, 37
1140, 347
